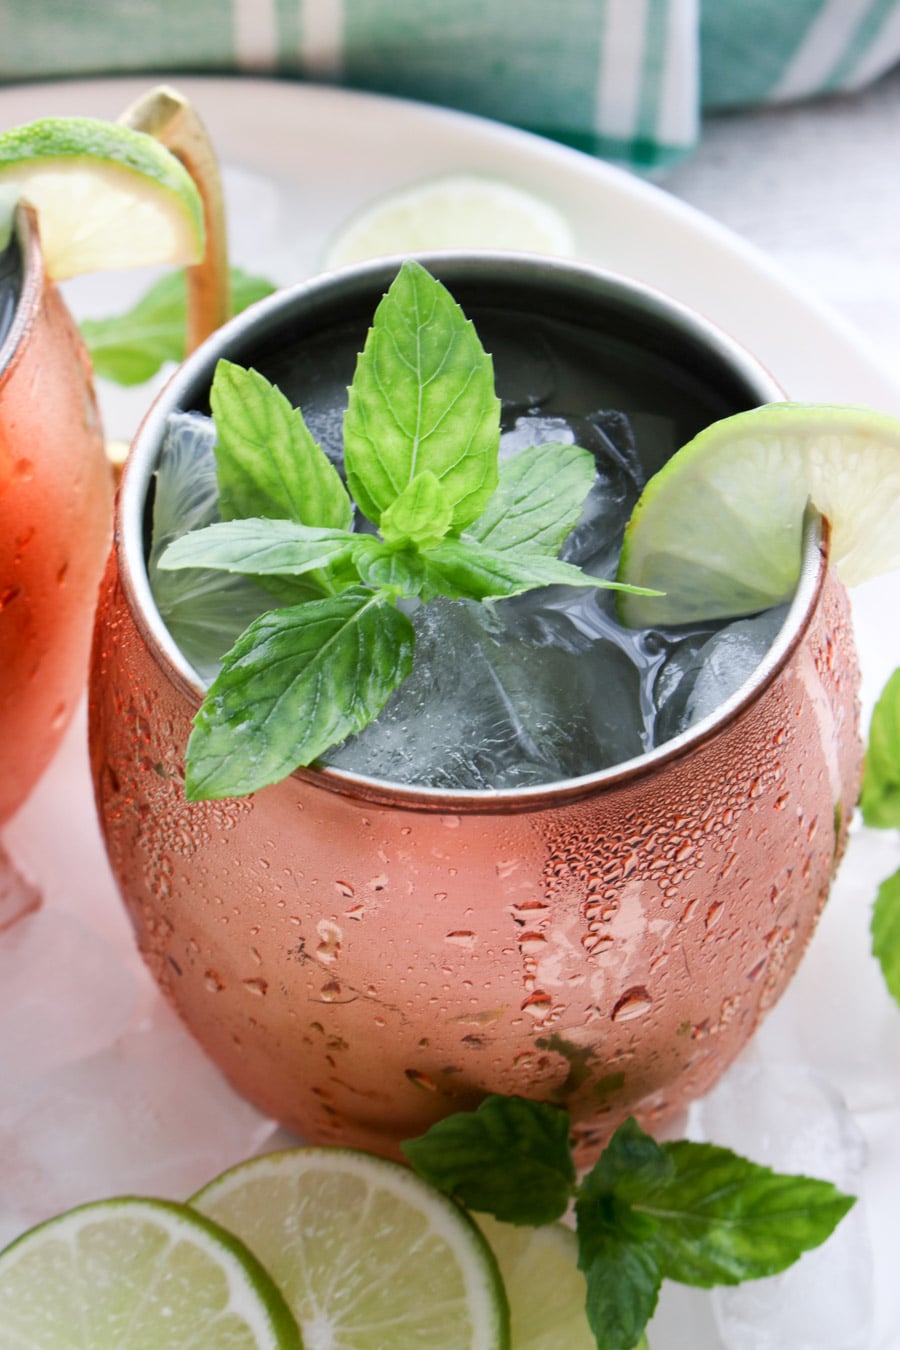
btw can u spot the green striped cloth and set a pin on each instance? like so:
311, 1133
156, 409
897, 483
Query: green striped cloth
625, 79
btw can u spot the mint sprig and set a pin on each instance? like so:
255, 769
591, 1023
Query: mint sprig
131, 348
421, 453
695, 1213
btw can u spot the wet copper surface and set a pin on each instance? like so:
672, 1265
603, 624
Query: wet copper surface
55, 523
359, 969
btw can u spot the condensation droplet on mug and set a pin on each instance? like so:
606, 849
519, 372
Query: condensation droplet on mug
633, 1003
330, 937
256, 987
344, 889
213, 982
538, 1004
330, 992
421, 1080
450, 822
461, 937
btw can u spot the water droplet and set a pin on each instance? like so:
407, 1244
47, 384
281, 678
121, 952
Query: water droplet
213, 982
532, 942
8, 595
331, 991
344, 889
714, 913
633, 1003
421, 1080
461, 938
330, 936
506, 867
537, 1004
257, 987
450, 822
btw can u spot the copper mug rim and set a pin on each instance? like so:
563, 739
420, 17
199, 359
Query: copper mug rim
317, 294
25, 230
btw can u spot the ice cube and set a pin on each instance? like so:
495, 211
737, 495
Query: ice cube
791, 1119
535, 430
147, 1115
700, 675
204, 610
64, 995
491, 704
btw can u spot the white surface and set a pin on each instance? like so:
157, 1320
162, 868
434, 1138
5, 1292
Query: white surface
299, 162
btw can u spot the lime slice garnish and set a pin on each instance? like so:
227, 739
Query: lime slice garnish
366, 1254
106, 196
719, 528
456, 212
136, 1274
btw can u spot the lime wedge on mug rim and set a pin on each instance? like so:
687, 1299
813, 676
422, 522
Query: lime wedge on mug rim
719, 527
106, 197
365, 1253
135, 1273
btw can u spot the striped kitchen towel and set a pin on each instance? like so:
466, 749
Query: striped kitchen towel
625, 79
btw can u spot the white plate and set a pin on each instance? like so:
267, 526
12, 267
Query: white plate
299, 162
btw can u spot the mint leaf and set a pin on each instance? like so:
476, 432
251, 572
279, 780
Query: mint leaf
399, 570
722, 1219
130, 348
631, 1164
258, 547
510, 1158
464, 569
538, 501
421, 515
422, 398
268, 462
886, 932
297, 681
880, 800
623, 1283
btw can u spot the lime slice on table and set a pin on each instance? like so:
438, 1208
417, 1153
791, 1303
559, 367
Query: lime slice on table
106, 196
461, 211
135, 1274
545, 1288
366, 1253
719, 528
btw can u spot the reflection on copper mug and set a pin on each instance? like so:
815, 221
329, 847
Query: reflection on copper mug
55, 518
362, 958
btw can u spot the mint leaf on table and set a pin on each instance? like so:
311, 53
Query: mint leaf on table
694, 1213
886, 932
539, 499
510, 1157
422, 397
295, 682
722, 1219
267, 460
880, 799
130, 348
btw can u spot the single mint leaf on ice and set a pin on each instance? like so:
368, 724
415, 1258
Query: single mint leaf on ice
421, 515
258, 548
464, 569
880, 800
297, 681
538, 501
130, 348
268, 462
422, 398
886, 932
722, 1219
510, 1158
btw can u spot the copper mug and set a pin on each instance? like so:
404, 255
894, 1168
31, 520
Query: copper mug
55, 521
361, 957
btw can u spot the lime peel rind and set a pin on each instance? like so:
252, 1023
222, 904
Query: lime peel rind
304, 1213
719, 528
128, 1271
106, 196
